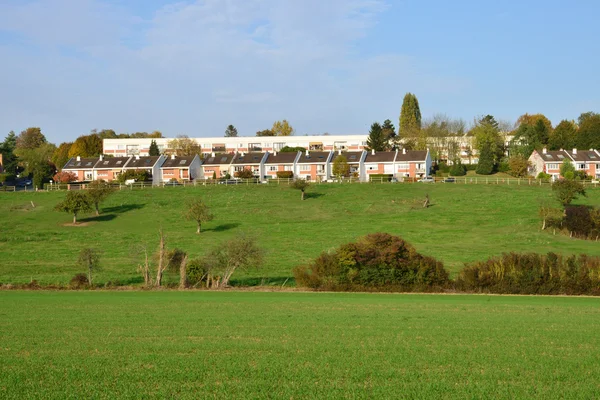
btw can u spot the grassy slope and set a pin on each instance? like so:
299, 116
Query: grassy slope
465, 223
296, 345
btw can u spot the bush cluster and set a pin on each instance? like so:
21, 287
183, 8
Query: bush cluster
285, 174
471, 167
79, 281
457, 169
140, 175
377, 261
380, 177
244, 174
533, 274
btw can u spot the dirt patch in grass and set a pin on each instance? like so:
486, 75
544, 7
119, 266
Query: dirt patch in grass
78, 224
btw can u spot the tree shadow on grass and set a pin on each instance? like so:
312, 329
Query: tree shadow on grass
222, 227
312, 195
123, 208
99, 218
274, 281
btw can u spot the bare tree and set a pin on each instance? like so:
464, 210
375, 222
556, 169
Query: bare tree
183, 272
90, 260
238, 253
162, 258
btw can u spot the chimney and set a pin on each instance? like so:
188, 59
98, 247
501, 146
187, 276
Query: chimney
78, 158
101, 157
137, 157
275, 153
306, 153
172, 156
544, 150
575, 151
403, 151
340, 152
372, 152
212, 154
242, 154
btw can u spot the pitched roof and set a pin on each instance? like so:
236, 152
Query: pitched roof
412, 155
281, 158
314, 157
584, 156
142, 162
111, 163
554, 156
353, 157
248, 158
218, 159
178, 162
83, 163
380, 156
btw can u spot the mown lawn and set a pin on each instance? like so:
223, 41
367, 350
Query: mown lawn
464, 223
57, 345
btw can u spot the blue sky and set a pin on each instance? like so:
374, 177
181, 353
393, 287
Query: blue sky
193, 67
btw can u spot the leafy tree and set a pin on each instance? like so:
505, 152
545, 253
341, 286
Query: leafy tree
37, 162
9, 158
198, 211
458, 169
376, 140
566, 167
244, 174
583, 117
389, 130
519, 166
64, 177
530, 137
231, 131
154, 150
139, 175
184, 146
589, 132
489, 143
241, 252
567, 190
288, 149
563, 136
98, 191
107, 134
266, 132
86, 146
485, 165
301, 185
410, 117
61, 155
341, 166
550, 216
533, 119
89, 259
30, 138
75, 203
282, 128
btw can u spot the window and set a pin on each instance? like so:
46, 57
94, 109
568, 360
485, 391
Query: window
238, 169
372, 167
289, 168
267, 145
305, 168
552, 166
223, 159
278, 146
121, 147
272, 168
240, 144
340, 145
89, 164
105, 163
119, 162
88, 175
182, 162
402, 166
580, 166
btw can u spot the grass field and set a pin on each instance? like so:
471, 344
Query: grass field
296, 345
465, 223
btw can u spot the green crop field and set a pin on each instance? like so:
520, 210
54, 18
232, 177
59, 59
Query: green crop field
465, 223
228, 345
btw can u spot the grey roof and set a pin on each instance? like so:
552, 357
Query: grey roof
554, 156
178, 162
380, 156
282, 158
412, 155
111, 163
584, 156
142, 162
83, 163
218, 159
248, 158
314, 157
353, 157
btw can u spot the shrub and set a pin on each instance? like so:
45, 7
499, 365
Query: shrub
567, 190
64, 177
79, 281
570, 175
140, 175
244, 174
458, 169
544, 176
567, 169
443, 167
380, 177
471, 167
377, 261
578, 221
6, 177
532, 274
518, 166
288, 149
504, 166
285, 174
196, 271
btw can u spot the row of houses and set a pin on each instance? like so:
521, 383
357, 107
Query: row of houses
550, 162
310, 165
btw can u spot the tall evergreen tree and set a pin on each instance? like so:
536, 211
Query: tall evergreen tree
9, 158
377, 140
389, 130
154, 150
231, 131
410, 117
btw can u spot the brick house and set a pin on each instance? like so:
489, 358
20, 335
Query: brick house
249, 161
550, 162
181, 168
314, 165
275, 162
108, 169
216, 165
355, 161
151, 164
83, 168
399, 164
